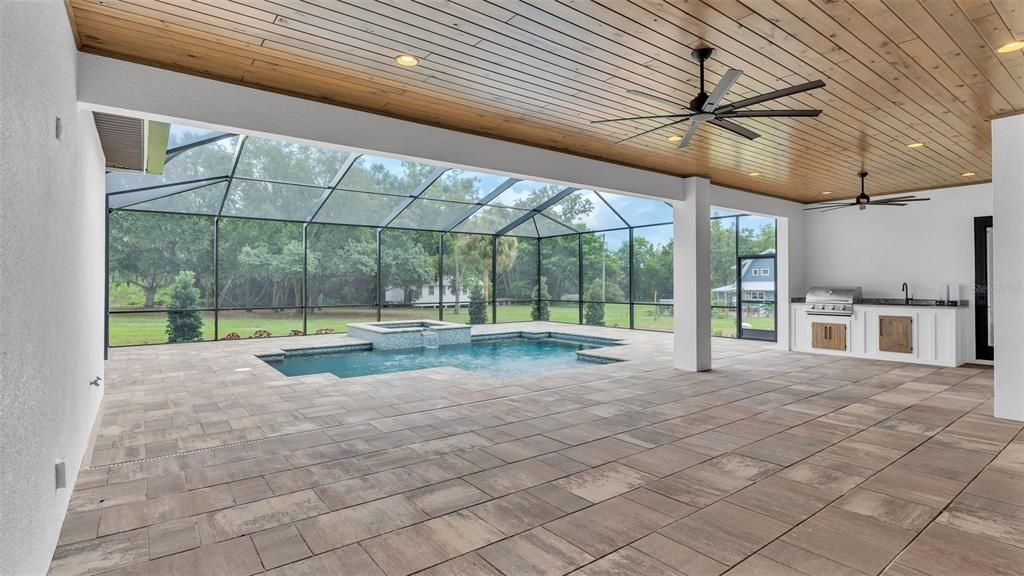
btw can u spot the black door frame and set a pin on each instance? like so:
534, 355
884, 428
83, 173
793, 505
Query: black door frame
983, 351
754, 334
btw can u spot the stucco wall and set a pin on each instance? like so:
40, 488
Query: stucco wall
51, 279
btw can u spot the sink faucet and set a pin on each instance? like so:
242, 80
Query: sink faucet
906, 294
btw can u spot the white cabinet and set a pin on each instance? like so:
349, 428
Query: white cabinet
936, 333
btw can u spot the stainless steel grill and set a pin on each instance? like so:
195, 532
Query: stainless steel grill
825, 301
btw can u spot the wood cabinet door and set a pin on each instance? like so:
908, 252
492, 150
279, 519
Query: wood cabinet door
895, 334
828, 336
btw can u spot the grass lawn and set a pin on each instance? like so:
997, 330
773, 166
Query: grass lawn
149, 328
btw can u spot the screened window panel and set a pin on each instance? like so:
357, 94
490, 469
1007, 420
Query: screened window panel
489, 219
148, 251
133, 329
757, 235
386, 176
255, 199
358, 208
606, 266
260, 263
584, 210
723, 261
127, 198
527, 229
639, 211
652, 264
266, 159
425, 214
653, 317
409, 267
260, 323
336, 320
208, 160
464, 186
548, 227
527, 194
517, 269
467, 266
203, 200
342, 265
559, 267
182, 135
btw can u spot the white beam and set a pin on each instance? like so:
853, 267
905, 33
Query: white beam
691, 292
1007, 296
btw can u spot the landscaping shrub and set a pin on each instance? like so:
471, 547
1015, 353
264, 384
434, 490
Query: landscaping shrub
184, 324
477, 306
541, 307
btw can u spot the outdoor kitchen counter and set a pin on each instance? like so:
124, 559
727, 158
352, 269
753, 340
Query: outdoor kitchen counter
897, 302
931, 334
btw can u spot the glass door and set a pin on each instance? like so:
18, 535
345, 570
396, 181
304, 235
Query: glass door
756, 293
983, 305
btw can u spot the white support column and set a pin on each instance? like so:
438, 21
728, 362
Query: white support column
692, 276
1007, 294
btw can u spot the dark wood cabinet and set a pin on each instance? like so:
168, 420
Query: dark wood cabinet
828, 336
896, 334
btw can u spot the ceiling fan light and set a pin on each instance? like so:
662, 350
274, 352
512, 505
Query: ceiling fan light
1010, 47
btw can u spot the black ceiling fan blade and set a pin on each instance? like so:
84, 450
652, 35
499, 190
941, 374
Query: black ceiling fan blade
891, 200
768, 113
894, 198
652, 130
830, 205
836, 208
721, 89
686, 115
735, 128
772, 95
887, 204
664, 101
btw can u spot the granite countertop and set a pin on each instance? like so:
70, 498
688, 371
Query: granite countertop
898, 302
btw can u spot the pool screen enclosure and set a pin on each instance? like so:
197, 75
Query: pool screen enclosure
244, 236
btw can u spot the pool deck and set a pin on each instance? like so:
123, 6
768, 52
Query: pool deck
208, 461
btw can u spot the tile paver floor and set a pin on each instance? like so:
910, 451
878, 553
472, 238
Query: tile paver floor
209, 461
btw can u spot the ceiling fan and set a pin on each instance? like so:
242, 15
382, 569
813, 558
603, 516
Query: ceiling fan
862, 200
705, 107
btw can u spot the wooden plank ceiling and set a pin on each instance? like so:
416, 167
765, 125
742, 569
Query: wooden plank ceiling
539, 71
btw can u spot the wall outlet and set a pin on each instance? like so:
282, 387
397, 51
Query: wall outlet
60, 475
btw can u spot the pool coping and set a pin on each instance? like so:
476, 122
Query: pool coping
591, 356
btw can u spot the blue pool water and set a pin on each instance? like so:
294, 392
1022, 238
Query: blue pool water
502, 359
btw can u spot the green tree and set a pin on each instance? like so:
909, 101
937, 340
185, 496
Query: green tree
541, 309
593, 310
477, 306
184, 323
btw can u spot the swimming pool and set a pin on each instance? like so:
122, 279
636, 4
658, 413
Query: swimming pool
501, 358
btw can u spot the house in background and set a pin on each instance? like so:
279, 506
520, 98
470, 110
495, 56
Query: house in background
757, 278
427, 296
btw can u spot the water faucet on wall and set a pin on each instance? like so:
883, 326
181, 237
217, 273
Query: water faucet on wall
906, 293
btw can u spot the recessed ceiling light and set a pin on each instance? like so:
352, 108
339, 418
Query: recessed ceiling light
754, 174
969, 174
915, 144
1011, 47
675, 138
826, 193
407, 60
